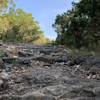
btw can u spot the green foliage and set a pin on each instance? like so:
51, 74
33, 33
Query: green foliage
18, 26
79, 27
4, 6
41, 40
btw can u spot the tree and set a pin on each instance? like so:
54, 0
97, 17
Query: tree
18, 26
4, 5
74, 27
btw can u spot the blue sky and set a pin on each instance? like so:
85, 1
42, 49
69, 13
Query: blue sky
45, 11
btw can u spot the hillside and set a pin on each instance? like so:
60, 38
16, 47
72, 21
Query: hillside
29, 72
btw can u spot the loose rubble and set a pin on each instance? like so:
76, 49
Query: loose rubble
29, 72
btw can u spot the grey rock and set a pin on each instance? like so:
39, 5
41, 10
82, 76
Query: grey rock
48, 73
2, 64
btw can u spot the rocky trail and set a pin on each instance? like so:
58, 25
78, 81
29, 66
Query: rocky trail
29, 72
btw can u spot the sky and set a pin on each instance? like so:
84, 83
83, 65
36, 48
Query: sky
45, 12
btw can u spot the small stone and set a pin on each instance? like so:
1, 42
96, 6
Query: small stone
1, 82
2, 65
89, 77
94, 76
3, 75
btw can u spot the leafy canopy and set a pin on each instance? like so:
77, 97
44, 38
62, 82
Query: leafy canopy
16, 25
79, 27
